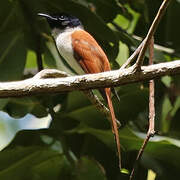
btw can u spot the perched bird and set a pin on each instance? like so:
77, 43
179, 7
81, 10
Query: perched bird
82, 53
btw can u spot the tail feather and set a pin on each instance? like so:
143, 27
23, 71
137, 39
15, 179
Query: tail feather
114, 123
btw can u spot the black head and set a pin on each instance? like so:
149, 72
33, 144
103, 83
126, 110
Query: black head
61, 21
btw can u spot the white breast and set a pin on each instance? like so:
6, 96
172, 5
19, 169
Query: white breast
64, 45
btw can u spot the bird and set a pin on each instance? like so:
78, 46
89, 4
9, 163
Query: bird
82, 52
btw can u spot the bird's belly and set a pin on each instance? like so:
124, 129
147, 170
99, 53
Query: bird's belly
64, 45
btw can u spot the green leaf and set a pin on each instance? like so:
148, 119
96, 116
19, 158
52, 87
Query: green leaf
133, 101
76, 100
102, 7
160, 147
52, 168
21, 163
123, 54
166, 116
89, 169
20, 107
173, 14
10, 126
31, 59
176, 106
3, 103
163, 148
7, 19
12, 56
166, 80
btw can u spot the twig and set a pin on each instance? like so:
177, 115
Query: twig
150, 34
133, 56
151, 131
99, 105
158, 47
139, 156
35, 86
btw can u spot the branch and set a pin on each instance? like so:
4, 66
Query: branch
37, 85
151, 32
151, 131
156, 46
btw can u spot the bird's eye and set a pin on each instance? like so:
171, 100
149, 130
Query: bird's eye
62, 17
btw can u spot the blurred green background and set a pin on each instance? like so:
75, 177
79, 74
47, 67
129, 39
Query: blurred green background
63, 136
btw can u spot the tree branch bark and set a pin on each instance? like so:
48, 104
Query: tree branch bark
38, 85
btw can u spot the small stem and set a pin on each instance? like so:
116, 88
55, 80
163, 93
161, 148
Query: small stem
99, 105
151, 32
133, 56
151, 131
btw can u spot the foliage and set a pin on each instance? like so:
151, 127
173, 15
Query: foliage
78, 144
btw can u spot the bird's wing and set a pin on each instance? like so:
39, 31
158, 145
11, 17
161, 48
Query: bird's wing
88, 53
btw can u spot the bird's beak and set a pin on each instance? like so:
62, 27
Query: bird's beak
47, 16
